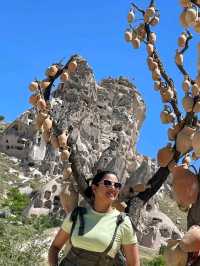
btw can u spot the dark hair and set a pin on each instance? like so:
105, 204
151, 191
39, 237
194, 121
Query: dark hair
96, 179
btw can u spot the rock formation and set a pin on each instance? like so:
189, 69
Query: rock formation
105, 120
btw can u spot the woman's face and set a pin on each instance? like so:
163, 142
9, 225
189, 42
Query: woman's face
107, 189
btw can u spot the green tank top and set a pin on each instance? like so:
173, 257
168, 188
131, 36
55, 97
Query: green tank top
98, 231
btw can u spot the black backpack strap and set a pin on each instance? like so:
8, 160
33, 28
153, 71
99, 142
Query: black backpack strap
120, 219
73, 218
78, 211
81, 212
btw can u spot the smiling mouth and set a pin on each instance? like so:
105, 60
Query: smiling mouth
110, 194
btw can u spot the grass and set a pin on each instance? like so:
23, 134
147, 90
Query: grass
36, 184
2, 128
14, 233
19, 245
5, 175
23, 242
15, 201
150, 257
147, 253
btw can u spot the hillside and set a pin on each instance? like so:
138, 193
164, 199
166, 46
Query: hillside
9, 173
105, 120
9, 177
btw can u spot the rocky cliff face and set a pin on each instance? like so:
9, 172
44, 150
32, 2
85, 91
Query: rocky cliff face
106, 119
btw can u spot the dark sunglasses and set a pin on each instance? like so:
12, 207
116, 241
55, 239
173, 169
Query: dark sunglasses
108, 183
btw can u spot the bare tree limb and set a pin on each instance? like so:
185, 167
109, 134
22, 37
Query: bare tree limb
181, 67
164, 75
155, 184
152, 3
139, 9
157, 180
195, 3
47, 91
182, 70
168, 80
176, 110
189, 37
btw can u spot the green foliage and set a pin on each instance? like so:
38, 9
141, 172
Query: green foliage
2, 117
2, 128
19, 245
156, 261
16, 202
44, 222
162, 249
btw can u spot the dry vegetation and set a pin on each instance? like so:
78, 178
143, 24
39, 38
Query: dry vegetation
5, 175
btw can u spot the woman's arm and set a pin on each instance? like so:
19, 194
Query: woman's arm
59, 241
132, 254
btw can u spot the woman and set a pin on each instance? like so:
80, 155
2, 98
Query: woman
101, 230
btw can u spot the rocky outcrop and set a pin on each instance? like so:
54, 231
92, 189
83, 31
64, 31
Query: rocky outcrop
105, 119
22, 140
156, 227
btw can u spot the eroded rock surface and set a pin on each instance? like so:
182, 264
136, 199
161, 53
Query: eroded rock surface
105, 119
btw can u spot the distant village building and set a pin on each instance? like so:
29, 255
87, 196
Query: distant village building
21, 139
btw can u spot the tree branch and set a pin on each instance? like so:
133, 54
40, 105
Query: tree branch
176, 110
164, 75
182, 70
195, 3
155, 184
47, 92
168, 80
181, 67
139, 9
152, 3
189, 37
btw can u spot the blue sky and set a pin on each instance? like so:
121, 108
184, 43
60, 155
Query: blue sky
36, 33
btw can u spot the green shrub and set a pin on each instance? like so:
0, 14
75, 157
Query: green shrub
2, 117
44, 222
2, 128
16, 202
157, 261
162, 249
19, 245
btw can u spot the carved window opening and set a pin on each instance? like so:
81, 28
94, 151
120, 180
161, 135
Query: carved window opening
21, 141
19, 148
39, 141
30, 116
148, 207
